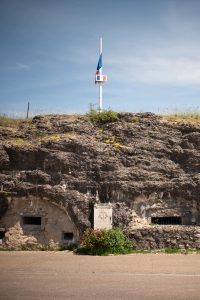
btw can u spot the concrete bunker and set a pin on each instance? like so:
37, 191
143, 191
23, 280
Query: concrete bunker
68, 236
36, 222
159, 210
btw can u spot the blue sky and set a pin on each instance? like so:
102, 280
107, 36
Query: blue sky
49, 53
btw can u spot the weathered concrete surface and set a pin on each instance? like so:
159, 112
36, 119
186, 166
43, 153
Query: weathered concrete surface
55, 221
62, 275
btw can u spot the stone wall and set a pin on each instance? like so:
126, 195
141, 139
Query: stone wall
159, 237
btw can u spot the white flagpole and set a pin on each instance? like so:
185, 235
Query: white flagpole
100, 83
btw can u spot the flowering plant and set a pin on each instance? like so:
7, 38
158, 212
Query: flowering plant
104, 242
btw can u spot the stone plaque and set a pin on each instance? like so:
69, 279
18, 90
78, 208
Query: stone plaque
103, 216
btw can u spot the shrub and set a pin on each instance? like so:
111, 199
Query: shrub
106, 116
71, 247
104, 242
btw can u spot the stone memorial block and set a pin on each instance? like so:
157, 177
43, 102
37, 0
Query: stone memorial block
103, 216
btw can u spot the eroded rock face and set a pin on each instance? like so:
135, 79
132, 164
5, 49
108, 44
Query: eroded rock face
69, 160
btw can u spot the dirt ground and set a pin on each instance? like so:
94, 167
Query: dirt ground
62, 275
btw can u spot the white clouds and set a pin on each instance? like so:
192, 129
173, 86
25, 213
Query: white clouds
158, 70
21, 66
168, 55
177, 64
161, 70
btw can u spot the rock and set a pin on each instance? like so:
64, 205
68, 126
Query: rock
4, 158
63, 157
3, 203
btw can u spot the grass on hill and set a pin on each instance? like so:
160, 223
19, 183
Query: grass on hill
6, 121
105, 116
190, 118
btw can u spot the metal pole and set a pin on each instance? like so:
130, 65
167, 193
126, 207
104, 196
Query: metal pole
100, 96
100, 83
27, 111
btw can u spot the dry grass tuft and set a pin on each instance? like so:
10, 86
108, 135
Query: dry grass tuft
190, 118
12, 122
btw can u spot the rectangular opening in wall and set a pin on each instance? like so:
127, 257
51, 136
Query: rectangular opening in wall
32, 220
166, 220
2, 234
68, 236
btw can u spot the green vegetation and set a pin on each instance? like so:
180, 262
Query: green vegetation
169, 250
56, 137
175, 250
104, 242
71, 247
172, 250
37, 139
19, 142
112, 140
113, 143
89, 250
106, 116
39, 247
145, 251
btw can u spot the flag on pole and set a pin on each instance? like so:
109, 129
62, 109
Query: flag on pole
99, 66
